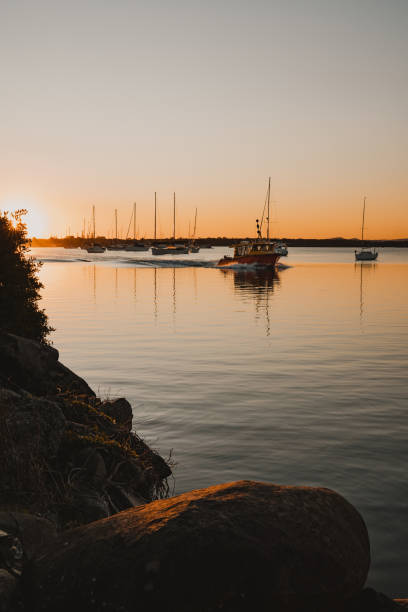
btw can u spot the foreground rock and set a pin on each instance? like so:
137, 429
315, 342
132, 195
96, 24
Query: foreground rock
64, 453
238, 546
34, 367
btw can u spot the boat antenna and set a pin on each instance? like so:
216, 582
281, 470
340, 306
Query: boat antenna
362, 226
134, 220
258, 229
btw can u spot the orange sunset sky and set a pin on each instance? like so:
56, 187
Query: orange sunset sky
104, 103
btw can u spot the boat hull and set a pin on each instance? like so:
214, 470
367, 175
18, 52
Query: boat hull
366, 255
268, 260
170, 251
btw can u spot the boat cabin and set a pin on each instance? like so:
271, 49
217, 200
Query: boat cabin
259, 247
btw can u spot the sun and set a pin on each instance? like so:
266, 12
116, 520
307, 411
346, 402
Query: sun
36, 219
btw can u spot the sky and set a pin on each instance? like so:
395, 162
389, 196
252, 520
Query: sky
104, 103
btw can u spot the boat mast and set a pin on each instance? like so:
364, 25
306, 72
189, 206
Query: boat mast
362, 226
116, 223
155, 214
269, 197
174, 216
134, 220
93, 220
195, 224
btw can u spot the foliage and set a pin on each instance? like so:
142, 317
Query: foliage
19, 283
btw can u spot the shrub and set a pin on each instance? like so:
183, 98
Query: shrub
19, 283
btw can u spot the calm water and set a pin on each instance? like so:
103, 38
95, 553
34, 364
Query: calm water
294, 378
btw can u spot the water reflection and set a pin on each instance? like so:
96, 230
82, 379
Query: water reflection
369, 268
259, 284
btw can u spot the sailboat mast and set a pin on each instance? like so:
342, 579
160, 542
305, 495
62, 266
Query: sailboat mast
93, 220
362, 226
134, 221
269, 197
174, 216
195, 224
155, 214
116, 223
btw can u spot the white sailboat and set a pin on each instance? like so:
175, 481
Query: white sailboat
94, 247
193, 247
365, 253
136, 245
169, 249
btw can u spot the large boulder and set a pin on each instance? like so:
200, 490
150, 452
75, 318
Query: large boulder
33, 366
237, 546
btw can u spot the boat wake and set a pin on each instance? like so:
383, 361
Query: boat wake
169, 263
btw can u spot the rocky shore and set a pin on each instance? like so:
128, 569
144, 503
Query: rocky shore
86, 521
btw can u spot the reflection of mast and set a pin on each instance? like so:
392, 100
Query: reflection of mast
361, 290
174, 291
155, 294
94, 281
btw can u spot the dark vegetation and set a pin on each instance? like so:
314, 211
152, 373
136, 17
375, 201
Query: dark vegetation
19, 284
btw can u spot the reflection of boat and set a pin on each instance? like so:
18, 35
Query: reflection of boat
95, 248
281, 248
365, 253
259, 252
259, 283
255, 280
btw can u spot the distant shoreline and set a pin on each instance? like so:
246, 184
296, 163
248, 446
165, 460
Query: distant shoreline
73, 242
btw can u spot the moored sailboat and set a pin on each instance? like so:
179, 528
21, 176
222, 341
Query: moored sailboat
365, 253
173, 248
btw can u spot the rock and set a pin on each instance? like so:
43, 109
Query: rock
238, 546
34, 367
31, 430
36, 425
120, 410
8, 585
34, 533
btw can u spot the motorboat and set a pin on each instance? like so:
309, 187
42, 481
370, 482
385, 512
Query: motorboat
258, 252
